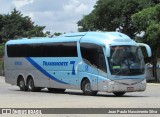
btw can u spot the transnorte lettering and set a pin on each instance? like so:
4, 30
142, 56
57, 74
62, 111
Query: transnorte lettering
45, 63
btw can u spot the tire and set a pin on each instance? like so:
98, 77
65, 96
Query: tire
55, 90
86, 88
118, 94
31, 86
21, 84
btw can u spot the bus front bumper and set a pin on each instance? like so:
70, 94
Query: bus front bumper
121, 87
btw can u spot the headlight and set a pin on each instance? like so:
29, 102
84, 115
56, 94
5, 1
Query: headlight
143, 81
111, 82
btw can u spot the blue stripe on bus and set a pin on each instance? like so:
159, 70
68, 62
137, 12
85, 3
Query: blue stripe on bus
43, 71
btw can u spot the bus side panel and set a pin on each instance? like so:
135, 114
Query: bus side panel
20, 66
67, 77
91, 77
103, 83
40, 80
62, 77
66, 74
10, 77
60, 72
13, 68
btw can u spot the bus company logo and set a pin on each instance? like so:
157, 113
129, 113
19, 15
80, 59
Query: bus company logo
86, 67
46, 63
18, 63
6, 111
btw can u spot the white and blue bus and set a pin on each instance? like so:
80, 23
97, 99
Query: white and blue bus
89, 61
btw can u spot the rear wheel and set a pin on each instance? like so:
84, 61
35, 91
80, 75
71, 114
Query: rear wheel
86, 88
118, 94
31, 86
21, 84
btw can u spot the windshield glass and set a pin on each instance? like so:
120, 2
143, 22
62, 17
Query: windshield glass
126, 60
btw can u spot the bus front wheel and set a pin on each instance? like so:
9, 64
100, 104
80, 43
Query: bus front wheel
86, 88
118, 94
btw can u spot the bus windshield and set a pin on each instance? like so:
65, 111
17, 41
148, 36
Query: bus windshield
126, 60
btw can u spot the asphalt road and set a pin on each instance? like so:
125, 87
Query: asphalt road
12, 97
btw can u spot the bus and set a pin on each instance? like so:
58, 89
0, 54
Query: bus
89, 61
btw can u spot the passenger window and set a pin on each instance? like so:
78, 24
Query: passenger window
93, 55
64, 49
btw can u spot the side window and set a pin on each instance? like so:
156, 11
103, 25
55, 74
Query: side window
65, 49
102, 61
93, 55
15, 50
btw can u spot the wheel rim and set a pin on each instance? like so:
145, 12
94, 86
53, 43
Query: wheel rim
88, 88
30, 84
21, 83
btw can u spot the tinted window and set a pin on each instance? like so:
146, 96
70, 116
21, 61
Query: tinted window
126, 60
93, 54
68, 49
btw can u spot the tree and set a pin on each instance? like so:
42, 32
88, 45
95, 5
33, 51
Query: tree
155, 1
1, 51
48, 34
111, 15
148, 22
57, 34
15, 25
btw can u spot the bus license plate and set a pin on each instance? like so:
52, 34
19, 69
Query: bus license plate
130, 88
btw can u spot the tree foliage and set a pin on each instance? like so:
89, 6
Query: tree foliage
15, 25
148, 22
111, 15
1, 51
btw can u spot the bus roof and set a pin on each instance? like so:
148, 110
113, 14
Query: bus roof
88, 37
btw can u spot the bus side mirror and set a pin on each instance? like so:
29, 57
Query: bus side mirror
148, 49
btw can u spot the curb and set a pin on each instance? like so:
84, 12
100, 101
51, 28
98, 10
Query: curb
153, 84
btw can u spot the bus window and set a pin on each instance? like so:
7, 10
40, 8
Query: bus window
94, 55
65, 49
102, 62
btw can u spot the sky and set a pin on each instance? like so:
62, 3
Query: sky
57, 15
